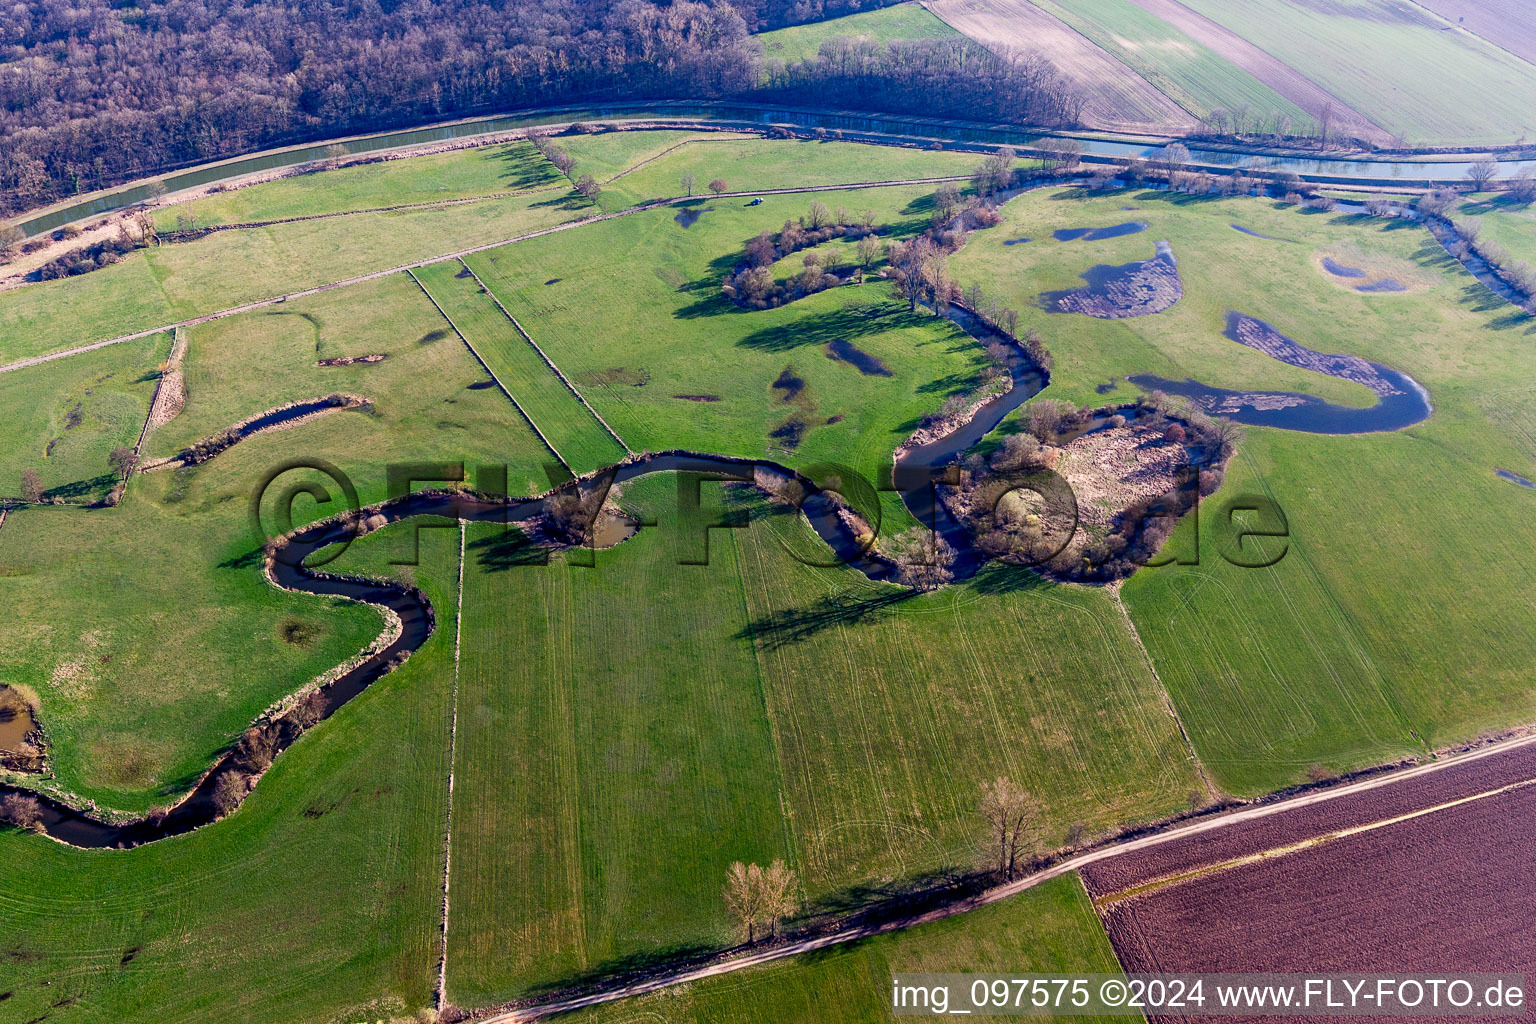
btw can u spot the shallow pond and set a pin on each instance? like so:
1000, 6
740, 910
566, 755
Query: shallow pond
844, 351
1515, 478
1098, 234
1338, 269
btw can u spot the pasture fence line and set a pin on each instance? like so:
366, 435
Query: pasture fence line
486, 367
547, 361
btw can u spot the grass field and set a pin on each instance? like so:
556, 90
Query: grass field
429, 397
162, 285
115, 604
1191, 74
579, 440
1394, 62
484, 170
614, 758
1368, 641
63, 418
617, 752
745, 164
1504, 222
318, 900
1051, 928
885, 25
661, 319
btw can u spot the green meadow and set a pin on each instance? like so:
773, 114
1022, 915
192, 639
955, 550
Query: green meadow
319, 900
89, 405
886, 24
436, 177
745, 164
1386, 630
619, 747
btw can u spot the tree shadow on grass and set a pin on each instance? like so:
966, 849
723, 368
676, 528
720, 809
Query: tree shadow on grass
846, 324
81, 488
871, 903
508, 550
789, 626
1000, 578
638, 964
249, 560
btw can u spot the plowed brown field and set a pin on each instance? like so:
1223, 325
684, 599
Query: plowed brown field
1455, 783
1118, 99
1449, 890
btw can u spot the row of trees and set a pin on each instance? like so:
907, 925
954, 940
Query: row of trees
585, 184
97, 92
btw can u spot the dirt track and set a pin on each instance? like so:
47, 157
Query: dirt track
1118, 99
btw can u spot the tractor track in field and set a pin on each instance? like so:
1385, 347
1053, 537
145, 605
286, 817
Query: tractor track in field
460, 254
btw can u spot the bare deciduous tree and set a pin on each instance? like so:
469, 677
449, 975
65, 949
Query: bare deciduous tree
1482, 173
1010, 814
744, 896
31, 485
20, 810
122, 460
588, 187
781, 894
688, 181
926, 558
228, 792
717, 186
868, 251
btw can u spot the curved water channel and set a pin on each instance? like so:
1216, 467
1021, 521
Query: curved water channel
916, 473
1322, 168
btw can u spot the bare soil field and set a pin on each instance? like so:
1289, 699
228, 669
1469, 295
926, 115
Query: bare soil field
1507, 24
1447, 891
1117, 98
1120, 873
1274, 73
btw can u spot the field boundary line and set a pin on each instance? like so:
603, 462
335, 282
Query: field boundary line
1173, 711
547, 361
1002, 892
679, 145
486, 367
453, 739
648, 160
375, 275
